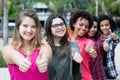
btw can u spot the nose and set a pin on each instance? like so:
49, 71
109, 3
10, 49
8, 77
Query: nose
59, 26
29, 29
83, 27
104, 27
92, 29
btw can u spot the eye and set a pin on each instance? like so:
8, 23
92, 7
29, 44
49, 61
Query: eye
106, 24
86, 26
81, 24
62, 24
24, 25
95, 26
55, 25
33, 26
101, 25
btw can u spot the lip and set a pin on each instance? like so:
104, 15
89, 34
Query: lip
105, 31
91, 32
81, 32
61, 31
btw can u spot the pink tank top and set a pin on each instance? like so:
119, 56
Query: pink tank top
32, 73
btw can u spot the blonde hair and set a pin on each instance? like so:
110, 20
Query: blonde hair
17, 39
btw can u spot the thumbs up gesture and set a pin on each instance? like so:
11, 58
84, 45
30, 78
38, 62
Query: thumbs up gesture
42, 64
105, 45
114, 36
89, 49
76, 56
25, 64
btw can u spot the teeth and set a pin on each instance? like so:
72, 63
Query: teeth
82, 32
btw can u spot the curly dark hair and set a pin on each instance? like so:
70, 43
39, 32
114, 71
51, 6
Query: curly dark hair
113, 25
80, 14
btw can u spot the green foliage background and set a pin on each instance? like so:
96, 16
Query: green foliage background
2, 62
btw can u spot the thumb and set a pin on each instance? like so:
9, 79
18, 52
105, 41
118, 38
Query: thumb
28, 56
88, 43
110, 31
40, 55
73, 52
106, 41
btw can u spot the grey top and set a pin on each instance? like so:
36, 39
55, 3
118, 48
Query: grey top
65, 68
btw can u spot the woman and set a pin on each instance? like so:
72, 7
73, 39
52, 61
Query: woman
64, 52
96, 65
107, 27
80, 23
27, 57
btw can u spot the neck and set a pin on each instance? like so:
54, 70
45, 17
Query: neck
75, 37
27, 49
105, 35
56, 41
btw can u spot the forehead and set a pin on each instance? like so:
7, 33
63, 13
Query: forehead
57, 20
82, 20
27, 19
105, 22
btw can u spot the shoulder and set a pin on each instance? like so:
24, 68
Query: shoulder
87, 40
7, 47
45, 47
74, 45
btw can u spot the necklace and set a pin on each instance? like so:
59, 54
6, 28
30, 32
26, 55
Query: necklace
27, 51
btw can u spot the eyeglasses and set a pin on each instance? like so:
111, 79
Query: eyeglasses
57, 26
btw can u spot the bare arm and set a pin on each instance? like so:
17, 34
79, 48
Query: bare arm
46, 52
44, 57
10, 55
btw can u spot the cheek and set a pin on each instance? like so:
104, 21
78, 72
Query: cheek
95, 30
108, 27
35, 31
52, 31
20, 30
86, 30
101, 28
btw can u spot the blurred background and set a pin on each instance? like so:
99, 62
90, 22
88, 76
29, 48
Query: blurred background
9, 10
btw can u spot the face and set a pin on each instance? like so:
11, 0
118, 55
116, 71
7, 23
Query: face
27, 28
93, 29
58, 28
81, 27
105, 26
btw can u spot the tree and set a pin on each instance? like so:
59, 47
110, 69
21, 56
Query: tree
108, 7
5, 22
1, 6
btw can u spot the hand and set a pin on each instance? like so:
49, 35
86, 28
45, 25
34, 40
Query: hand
89, 49
114, 36
25, 64
42, 64
76, 56
105, 45
93, 53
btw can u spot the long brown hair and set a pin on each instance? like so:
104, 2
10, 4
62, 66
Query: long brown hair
49, 36
17, 39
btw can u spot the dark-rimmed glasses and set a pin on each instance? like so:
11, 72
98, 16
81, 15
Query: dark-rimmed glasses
57, 26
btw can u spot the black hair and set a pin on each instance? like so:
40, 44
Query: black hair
113, 25
80, 14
